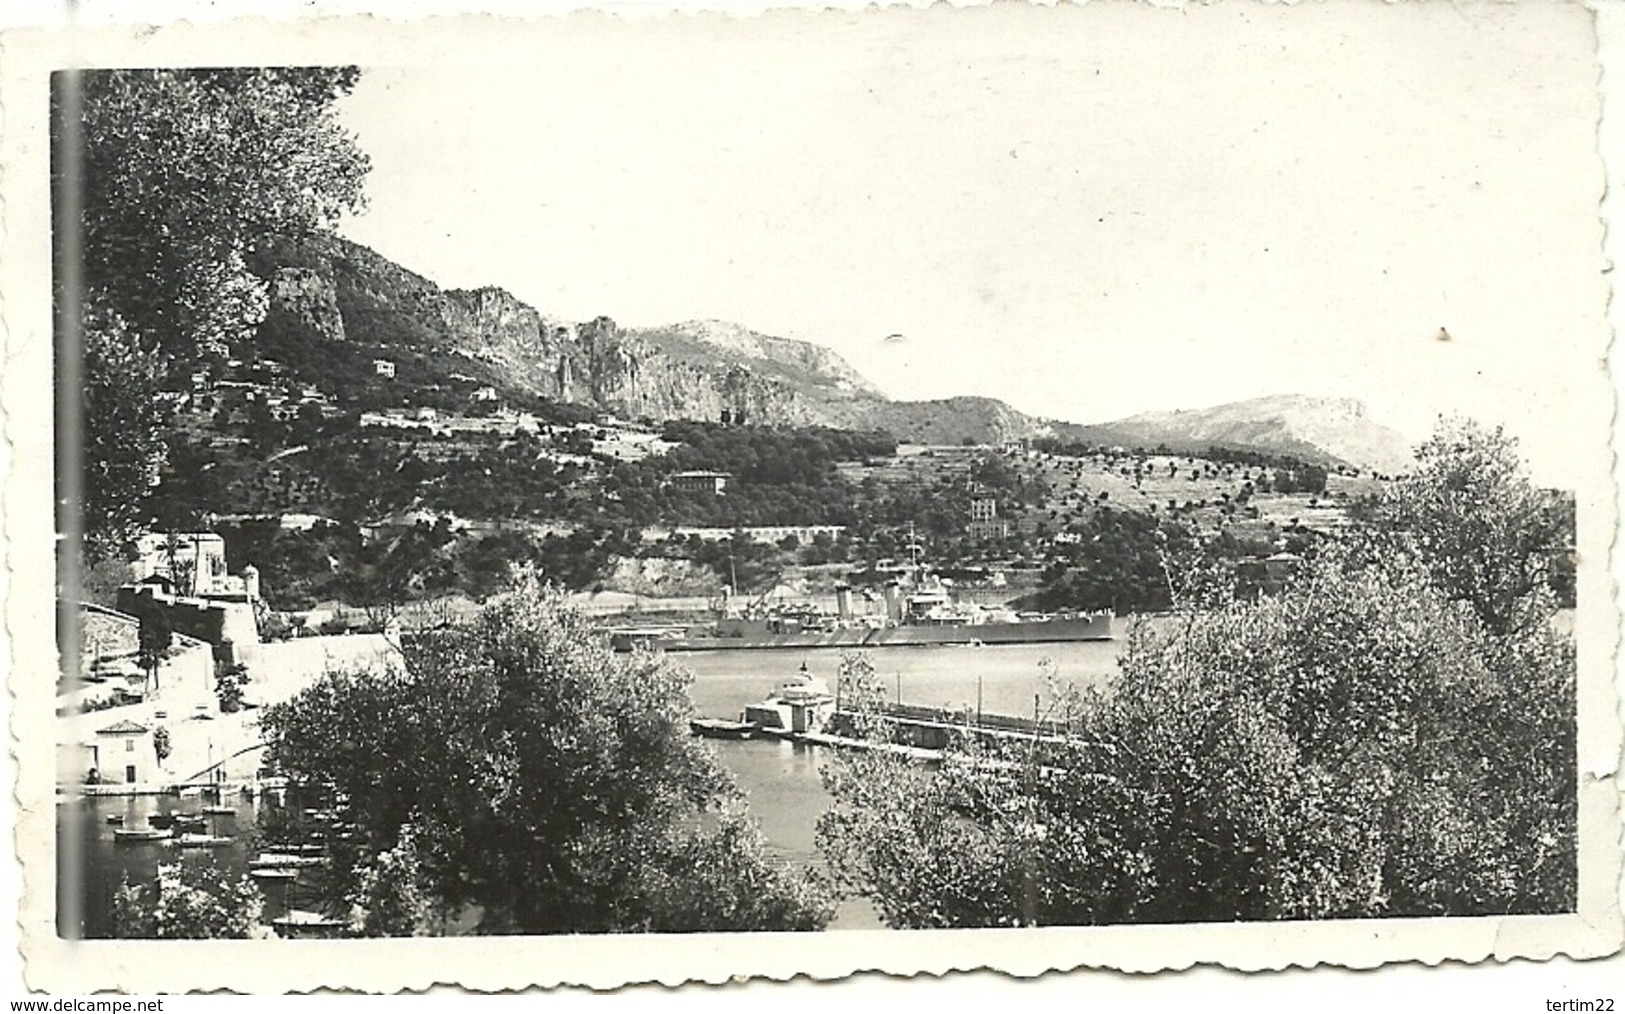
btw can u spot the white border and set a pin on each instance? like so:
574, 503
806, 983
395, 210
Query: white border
145, 966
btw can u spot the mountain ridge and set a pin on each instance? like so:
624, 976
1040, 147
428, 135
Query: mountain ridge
335, 292
1331, 430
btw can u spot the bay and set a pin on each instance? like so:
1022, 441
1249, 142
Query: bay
781, 780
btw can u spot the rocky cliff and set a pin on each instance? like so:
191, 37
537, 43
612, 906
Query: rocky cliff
302, 297
336, 291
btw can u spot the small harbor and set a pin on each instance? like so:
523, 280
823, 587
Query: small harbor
779, 772
781, 775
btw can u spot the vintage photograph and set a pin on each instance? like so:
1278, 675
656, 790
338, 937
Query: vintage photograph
984, 469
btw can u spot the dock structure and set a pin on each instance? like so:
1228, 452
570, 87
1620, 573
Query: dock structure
917, 753
936, 729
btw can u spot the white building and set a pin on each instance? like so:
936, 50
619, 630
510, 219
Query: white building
194, 563
123, 752
771, 534
701, 482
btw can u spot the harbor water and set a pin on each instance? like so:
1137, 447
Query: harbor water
88, 887
781, 779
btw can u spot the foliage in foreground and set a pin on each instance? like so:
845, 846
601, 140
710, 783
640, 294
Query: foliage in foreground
520, 768
185, 173
1393, 735
189, 901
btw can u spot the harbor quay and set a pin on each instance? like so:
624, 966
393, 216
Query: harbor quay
181, 710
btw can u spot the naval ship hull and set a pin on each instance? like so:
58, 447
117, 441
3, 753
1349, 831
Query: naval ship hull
1096, 627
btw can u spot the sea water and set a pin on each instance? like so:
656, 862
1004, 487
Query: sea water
780, 779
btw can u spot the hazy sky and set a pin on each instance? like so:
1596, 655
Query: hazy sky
1087, 212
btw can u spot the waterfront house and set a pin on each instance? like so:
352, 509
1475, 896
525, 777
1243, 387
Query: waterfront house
123, 752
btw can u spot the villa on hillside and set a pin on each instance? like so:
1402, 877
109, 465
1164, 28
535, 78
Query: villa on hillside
184, 576
773, 534
700, 482
985, 523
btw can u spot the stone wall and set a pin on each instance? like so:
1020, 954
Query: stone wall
228, 625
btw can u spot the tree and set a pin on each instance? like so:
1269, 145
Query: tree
189, 901
185, 176
1380, 739
1489, 536
155, 635
160, 743
390, 898
1358, 746
187, 172
953, 847
122, 434
228, 687
545, 779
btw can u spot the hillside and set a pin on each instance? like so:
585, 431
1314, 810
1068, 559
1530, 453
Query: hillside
948, 421
1332, 431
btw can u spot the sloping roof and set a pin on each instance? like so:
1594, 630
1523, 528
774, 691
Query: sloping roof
120, 728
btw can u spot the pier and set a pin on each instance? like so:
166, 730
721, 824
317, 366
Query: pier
937, 729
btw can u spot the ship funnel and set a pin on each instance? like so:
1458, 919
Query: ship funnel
843, 601
894, 602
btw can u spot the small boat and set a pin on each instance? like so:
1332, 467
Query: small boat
202, 841
219, 811
164, 820
274, 874
115, 818
283, 861
139, 835
299, 919
289, 848
721, 728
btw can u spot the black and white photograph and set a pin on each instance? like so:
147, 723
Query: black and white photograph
848, 481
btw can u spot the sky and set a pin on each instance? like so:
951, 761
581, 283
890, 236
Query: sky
1087, 212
